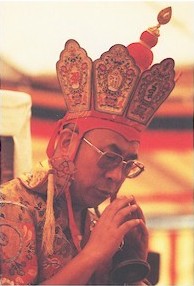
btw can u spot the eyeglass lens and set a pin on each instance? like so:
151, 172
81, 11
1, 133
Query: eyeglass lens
111, 160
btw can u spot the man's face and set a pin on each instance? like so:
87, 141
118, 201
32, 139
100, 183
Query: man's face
94, 184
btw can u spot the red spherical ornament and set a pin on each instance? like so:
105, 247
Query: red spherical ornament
142, 55
149, 39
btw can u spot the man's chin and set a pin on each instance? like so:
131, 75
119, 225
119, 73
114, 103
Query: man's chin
97, 203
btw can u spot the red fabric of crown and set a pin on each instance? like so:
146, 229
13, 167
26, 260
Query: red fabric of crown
118, 91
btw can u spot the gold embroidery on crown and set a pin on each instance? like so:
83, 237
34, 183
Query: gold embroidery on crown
74, 70
153, 88
115, 75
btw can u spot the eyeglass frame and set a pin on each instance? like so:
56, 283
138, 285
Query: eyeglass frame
137, 163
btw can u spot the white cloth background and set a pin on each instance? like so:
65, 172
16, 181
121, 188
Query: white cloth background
15, 116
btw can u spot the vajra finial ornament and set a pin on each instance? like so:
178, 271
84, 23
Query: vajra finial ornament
163, 18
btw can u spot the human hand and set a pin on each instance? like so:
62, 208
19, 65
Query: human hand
130, 262
137, 238
111, 228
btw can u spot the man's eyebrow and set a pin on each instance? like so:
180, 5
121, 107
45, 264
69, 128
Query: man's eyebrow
115, 148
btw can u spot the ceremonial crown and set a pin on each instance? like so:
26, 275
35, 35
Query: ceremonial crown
117, 91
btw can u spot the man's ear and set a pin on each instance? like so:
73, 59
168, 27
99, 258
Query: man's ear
68, 141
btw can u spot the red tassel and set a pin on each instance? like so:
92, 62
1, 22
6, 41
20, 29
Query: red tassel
76, 236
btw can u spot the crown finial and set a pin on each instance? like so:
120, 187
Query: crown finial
163, 18
141, 51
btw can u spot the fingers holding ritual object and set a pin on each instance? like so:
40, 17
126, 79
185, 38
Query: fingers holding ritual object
119, 213
115, 222
124, 214
116, 206
138, 213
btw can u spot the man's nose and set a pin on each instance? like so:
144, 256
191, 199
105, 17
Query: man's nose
115, 174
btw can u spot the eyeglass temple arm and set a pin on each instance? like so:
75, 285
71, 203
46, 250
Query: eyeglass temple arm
94, 147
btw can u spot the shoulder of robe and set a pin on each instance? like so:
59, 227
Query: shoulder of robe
36, 179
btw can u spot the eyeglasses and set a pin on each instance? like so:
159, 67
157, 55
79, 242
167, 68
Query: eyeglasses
110, 160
